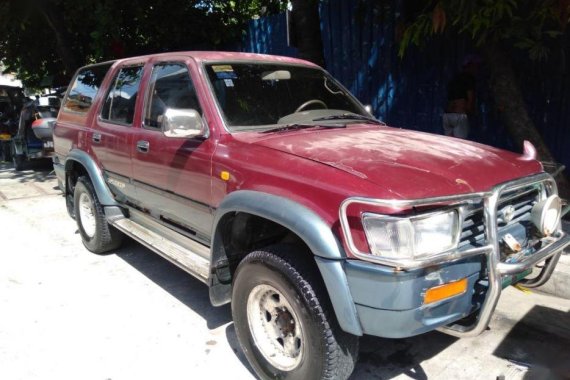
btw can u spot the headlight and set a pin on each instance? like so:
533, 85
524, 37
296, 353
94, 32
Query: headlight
410, 238
545, 215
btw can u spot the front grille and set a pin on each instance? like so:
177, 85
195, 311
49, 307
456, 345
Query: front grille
473, 231
513, 216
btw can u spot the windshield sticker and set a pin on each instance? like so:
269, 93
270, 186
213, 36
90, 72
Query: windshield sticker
222, 68
229, 82
224, 71
226, 75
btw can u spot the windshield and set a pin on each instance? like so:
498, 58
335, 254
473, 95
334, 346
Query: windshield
257, 96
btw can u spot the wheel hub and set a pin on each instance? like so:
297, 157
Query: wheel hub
275, 327
285, 321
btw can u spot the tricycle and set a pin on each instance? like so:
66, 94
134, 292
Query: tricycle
34, 138
11, 100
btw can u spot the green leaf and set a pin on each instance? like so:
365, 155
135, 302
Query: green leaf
553, 33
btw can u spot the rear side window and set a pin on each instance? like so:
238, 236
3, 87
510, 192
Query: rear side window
120, 102
84, 88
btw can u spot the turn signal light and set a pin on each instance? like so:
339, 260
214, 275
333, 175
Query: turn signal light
225, 175
448, 290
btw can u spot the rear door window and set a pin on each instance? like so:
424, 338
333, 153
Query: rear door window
121, 99
85, 86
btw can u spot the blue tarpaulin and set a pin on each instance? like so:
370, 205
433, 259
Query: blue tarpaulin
361, 51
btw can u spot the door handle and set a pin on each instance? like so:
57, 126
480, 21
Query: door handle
96, 137
143, 146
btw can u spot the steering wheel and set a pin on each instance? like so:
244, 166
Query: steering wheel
309, 102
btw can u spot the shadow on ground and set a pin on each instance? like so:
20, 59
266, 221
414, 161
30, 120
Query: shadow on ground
234, 344
540, 343
387, 358
34, 171
188, 290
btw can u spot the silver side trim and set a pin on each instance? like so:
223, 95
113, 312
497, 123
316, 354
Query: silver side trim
189, 259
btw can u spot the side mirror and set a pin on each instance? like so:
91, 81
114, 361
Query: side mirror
184, 123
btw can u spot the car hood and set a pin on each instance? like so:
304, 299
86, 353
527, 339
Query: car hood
404, 163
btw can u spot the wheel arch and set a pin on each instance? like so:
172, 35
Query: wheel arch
306, 225
78, 161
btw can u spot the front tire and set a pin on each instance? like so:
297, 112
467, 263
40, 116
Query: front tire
283, 321
97, 235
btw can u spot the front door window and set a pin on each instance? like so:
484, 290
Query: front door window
170, 87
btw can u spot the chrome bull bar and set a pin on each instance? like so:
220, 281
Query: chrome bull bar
495, 268
496, 271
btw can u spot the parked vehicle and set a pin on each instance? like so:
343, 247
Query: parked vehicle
267, 180
34, 138
11, 101
5, 149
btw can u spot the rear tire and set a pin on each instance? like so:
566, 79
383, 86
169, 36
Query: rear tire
97, 235
283, 319
18, 160
6, 151
69, 193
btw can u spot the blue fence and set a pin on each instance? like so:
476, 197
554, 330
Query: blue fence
360, 50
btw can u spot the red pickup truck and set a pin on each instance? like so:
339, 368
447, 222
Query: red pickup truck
266, 179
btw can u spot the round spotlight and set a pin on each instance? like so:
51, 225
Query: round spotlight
546, 214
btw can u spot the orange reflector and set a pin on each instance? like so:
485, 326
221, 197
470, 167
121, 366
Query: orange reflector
442, 292
225, 175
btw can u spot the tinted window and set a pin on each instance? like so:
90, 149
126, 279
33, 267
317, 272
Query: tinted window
170, 87
84, 88
120, 103
253, 95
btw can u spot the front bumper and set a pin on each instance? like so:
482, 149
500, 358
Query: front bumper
389, 319
390, 304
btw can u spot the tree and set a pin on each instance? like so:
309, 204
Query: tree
52, 38
496, 26
306, 30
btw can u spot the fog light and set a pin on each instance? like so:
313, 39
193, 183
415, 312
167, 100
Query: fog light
442, 292
545, 215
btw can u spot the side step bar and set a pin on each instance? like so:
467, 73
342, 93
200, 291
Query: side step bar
190, 260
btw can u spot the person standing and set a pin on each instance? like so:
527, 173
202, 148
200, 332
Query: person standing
461, 101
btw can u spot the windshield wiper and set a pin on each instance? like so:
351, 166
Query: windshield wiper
292, 127
350, 116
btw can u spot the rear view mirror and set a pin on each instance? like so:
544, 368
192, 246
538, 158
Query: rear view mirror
276, 75
183, 123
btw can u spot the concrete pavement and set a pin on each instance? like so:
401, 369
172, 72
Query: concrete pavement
68, 314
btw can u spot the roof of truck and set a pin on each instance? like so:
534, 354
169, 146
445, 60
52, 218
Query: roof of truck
214, 56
